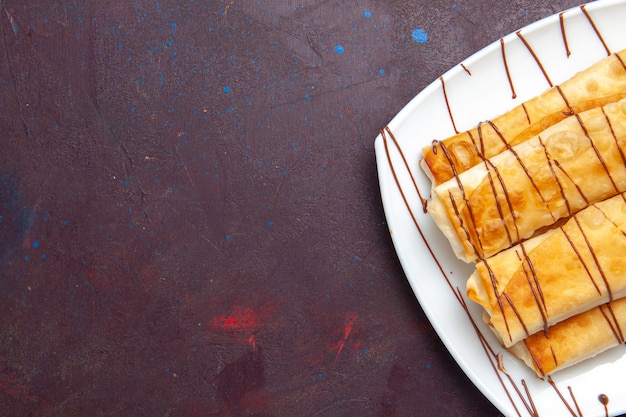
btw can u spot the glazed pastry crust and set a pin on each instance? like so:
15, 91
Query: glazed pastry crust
576, 339
556, 275
514, 195
596, 86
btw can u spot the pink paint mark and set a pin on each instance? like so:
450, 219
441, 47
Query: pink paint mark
240, 318
347, 329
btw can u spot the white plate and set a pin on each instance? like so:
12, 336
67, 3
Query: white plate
478, 89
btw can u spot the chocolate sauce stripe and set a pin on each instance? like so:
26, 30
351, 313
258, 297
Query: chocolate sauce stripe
612, 321
563, 34
595, 259
595, 29
479, 129
477, 248
384, 133
406, 165
570, 111
505, 225
479, 152
620, 61
576, 413
526, 113
569, 177
465, 230
494, 359
610, 125
506, 68
556, 178
554, 358
598, 153
582, 261
535, 287
535, 361
445, 97
535, 57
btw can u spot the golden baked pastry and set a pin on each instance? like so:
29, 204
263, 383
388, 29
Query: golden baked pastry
596, 86
513, 195
556, 275
575, 339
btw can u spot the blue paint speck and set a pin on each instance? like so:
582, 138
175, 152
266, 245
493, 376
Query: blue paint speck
35, 245
270, 223
381, 71
227, 237
227, 89
367, 14
419, 36
339, 49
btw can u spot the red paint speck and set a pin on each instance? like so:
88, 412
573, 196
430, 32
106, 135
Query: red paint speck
240, 318
347, 329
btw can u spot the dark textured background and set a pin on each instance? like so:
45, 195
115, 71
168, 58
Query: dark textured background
190, 220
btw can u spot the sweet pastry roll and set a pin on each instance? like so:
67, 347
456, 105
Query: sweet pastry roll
533, 185
575, 339
596, 86
556, 275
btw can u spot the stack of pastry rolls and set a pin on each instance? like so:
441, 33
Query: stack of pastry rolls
535, 198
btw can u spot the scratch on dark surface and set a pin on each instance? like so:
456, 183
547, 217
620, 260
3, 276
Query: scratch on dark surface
14, 26
338, 404
371, 249
228, 6
182, 161
327, 92
314, 47
11, 69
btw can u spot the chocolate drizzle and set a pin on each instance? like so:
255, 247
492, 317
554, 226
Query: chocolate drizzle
406, 165
604, 400
535, 288
595, 29
570, 408
598, 154
619, 148
445, 96
595, 259
563, 34
535, 57
516, 391
506, 68
556, 177
609, 315
581, 260
569, 111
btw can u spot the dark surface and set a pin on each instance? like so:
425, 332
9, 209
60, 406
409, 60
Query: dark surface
190, 219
